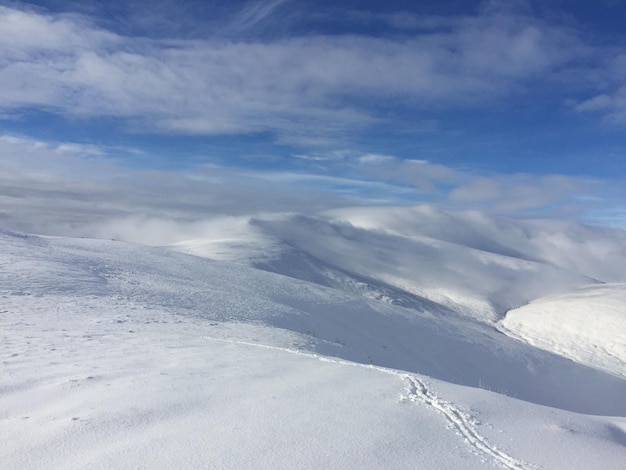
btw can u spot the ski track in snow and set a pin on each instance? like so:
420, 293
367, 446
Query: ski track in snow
418, 393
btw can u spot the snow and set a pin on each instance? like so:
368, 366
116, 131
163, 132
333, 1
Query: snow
116, 355
587, 325
421, 257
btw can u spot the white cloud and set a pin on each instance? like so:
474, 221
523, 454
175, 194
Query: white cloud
253, 14
293, 87
26, 32
50, 188
524, 193
477, 190
612, 106
424, 175
607, 97
597, 103
78, 189
376, 158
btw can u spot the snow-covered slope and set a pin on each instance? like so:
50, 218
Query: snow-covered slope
421, 257
124, 356
588, 326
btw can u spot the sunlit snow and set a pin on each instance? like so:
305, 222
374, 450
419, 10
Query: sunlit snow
311, 342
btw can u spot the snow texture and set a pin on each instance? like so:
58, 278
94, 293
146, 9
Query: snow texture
587, 325
117, 355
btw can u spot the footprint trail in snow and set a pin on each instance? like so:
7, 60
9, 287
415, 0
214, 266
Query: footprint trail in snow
418, 393
461, 422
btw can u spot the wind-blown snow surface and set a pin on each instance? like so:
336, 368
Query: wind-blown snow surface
123, 356
423, 257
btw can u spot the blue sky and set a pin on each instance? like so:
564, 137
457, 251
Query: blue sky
513, 107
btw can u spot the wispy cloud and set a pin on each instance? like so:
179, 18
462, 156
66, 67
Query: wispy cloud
68, 189
607, 96
252, 15
612, 106
301, 89
305, 89
50, 188
523, 193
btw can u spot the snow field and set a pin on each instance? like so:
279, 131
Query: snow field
124, 356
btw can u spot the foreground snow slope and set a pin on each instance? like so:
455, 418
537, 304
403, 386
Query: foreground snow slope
588, 325
117, 355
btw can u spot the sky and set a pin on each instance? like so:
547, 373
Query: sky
183, 109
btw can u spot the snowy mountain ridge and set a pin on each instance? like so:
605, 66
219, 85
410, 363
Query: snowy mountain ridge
123, 355
480, 268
